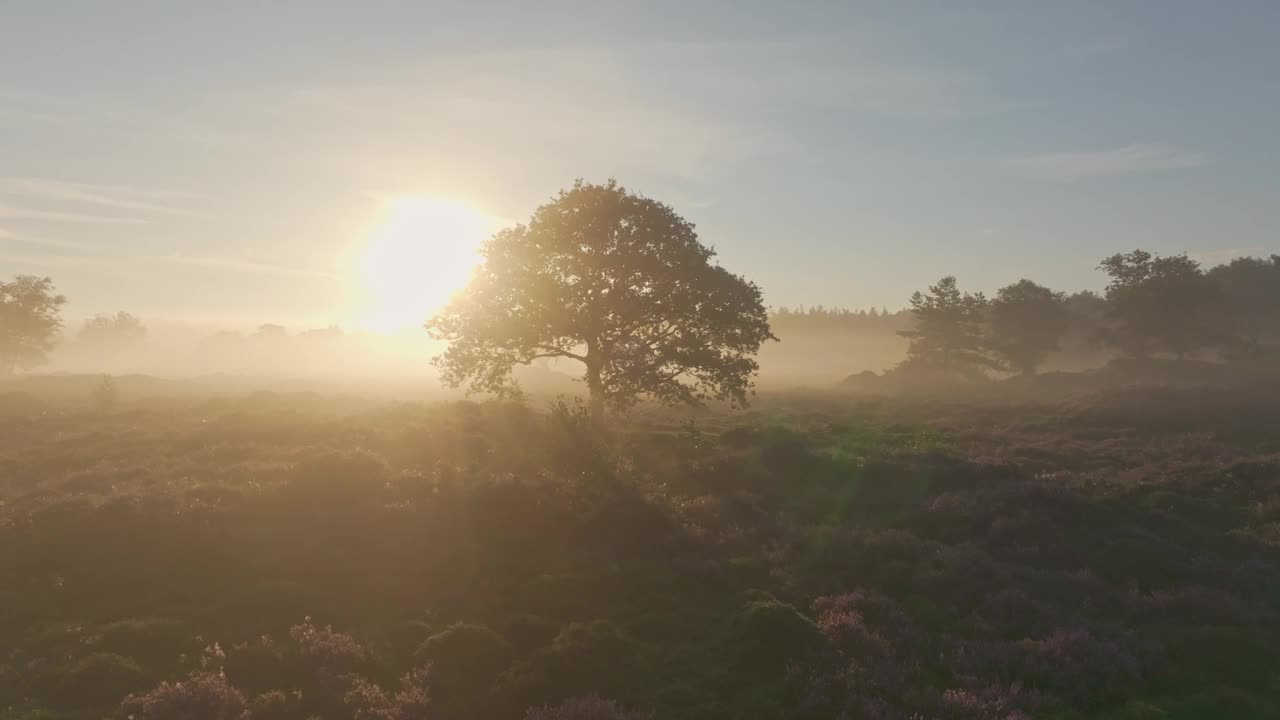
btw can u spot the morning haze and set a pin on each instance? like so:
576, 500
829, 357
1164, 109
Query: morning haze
653, 361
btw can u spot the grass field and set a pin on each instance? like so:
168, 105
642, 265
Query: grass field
270, 555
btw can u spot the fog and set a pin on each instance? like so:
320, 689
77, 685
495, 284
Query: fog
226, 359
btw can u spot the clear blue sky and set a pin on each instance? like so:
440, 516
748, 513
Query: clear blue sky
215, 161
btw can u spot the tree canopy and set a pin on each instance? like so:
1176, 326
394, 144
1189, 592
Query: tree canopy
29, 321
617, 282
949, 337
1157, 304
1027, 322
1250, 290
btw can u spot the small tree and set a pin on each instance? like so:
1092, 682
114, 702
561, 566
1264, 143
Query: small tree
1159, 304
1027, 323
29, 322
614, 281
948, 337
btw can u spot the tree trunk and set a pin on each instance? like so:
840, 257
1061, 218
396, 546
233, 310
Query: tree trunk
595, 387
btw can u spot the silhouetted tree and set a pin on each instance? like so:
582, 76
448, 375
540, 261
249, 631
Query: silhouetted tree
1250, 290
29, 322
1027, 323
948, 336
113, 332
617, 282
1158, 304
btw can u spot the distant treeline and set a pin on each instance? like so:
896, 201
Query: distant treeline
819, 318
1227, 306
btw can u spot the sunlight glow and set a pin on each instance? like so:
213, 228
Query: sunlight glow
419, 252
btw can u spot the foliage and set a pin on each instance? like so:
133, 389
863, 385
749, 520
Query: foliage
614, 281
29, 322
949, 337
1250, 289
1159, 304
1027, 323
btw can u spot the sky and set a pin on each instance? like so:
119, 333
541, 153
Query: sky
221, 162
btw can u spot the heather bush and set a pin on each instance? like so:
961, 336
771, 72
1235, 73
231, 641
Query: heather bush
273, 705
1077, 665
584, 658
98, 679
987, 704
410, 701
585, 708
260, 666
900, 560
465, 660
767, 635
158, 643
526, 632
201, 696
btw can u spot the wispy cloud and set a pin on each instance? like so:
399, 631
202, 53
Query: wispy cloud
248, 266
15, 212
26, 238
1127, 160
147, 200
44, 259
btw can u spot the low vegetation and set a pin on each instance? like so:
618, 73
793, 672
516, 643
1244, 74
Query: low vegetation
1114, 555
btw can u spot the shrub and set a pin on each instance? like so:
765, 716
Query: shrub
324, 650
584, 658
410, 702
526, 632
273, 705
585, 708
464, 658
202, 696
153, 642
768, 634
100, 679
259, 666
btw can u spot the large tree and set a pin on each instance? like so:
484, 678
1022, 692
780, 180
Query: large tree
617, 282
949, 336
1160, 304
1250, 290
1027, 323
29, 321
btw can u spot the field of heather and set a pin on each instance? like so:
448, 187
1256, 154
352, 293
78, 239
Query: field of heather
293, 556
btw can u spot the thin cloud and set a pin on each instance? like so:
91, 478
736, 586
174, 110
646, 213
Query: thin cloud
14, 212
1127, 160
44, 259
29, 239
108, 196
246, 266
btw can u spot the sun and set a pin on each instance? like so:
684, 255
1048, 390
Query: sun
419, 252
